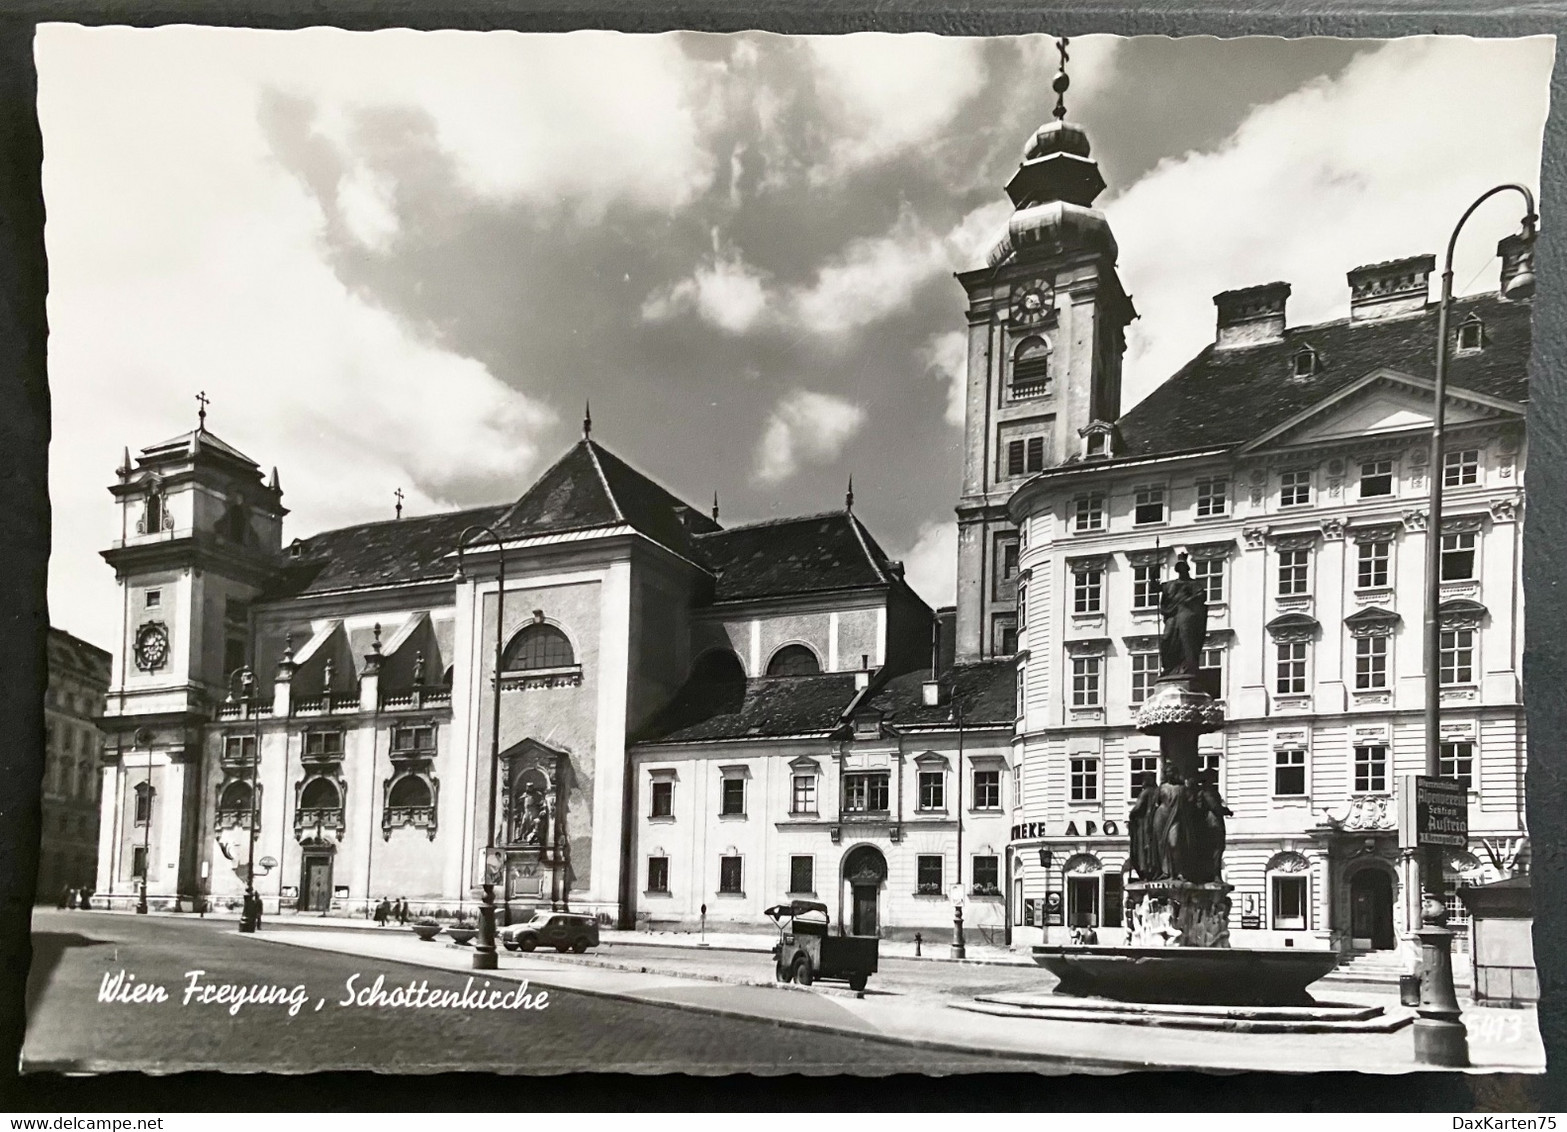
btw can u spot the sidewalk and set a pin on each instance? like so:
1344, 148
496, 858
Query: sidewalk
1508, 1043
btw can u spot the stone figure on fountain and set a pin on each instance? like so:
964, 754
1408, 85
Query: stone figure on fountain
1183, 607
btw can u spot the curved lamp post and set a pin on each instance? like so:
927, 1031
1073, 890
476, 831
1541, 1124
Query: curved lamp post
484, 955
1440, 1036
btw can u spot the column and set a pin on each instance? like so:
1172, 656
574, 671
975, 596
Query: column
110, 806
163, 875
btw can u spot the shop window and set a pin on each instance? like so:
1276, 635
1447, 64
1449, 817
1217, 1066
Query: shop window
1082, 902
1289, 903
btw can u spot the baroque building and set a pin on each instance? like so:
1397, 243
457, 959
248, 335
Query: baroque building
73, 704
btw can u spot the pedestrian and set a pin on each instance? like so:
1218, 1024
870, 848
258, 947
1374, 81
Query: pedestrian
402, 910
68, 898
383, 912
85, 903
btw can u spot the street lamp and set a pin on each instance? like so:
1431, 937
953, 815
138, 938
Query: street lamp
484, 955
144, 737
1440, 1036
247, 697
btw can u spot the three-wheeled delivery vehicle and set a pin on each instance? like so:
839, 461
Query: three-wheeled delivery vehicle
805, 952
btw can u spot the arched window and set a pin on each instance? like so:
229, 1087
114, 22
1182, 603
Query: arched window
320, 794
235, 798
410, 792
152, 517
1306, 362
1471, 333
144, 794
539, 646
793, 660
1031, 364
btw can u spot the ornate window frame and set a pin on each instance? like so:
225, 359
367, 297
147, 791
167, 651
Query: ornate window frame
420, 817
320, 817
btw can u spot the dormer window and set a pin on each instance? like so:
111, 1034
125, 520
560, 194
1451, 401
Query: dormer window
1471, 334
1098, 440
1306, 362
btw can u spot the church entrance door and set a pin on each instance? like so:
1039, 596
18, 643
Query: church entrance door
316, 889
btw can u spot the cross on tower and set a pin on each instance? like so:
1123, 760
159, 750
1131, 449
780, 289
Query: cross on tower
399, 494
201, 411
1062, 82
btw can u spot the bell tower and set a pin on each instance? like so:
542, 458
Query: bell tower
1047, 321
200, 536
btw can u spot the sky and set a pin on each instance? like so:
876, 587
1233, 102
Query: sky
405, 260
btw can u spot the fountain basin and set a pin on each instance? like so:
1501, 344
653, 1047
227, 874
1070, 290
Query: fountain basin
1218, 976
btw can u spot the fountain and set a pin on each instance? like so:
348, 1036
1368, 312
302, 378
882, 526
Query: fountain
1177, 910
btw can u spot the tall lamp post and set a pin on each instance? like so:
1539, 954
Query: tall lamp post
484, 955
247, 698
1440, 1035
144, 737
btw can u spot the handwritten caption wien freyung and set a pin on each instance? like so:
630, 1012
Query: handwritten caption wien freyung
123, 987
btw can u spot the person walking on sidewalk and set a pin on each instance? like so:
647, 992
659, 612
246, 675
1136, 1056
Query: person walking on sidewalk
402, 910
383, 912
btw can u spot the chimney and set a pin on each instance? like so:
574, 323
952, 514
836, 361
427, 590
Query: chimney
1251, 315
932, 692
1387, 290
947, 627
862, 678
1517, 256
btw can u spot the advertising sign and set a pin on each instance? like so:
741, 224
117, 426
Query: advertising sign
492, 866
1055, 914
1251, 910
1432, 811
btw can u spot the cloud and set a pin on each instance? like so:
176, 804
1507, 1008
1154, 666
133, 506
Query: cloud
805, 427
366, 204
946, 355
725, 292
931, 564
1374, 164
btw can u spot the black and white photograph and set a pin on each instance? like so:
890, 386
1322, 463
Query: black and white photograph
720, 553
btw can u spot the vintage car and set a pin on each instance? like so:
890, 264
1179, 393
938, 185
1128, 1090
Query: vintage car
564, 931
806, 952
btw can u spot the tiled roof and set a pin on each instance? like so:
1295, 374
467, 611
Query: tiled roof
85, 661
592, 487
1226, 397
985, 691
397, 551
764, 707
784, 557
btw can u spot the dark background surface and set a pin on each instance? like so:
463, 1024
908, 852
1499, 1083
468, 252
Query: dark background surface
24, 546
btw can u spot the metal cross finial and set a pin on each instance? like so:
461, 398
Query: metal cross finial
715, 506
1061, 80
399, 494
848, 498
587, 420
201, 411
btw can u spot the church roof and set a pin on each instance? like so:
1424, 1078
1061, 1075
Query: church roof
986, 692
785, 557
1229, 396
591, 487
392, 552
766, 707
189, 443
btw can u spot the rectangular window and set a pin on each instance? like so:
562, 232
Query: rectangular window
239, 748
1371, 572
1295, 488
658, 874
1145, 587
987, 876
143, 804
1085, 780
1144, 772
1371, 770
1376, 479
1208, 766
1209, 573
139, 862
1015, 458
663, 799
1289, 904
1148, 506
1115, 900
1009, 560
1213, 498
1145, 670
865, 793
1458, 556
1003, 641
1456, 662
1085, 681
413, 737
1294, 572
154, 599
802, 875
732, 801
803, 798
1461, 469
1210, 678
1292, 668
1036, 454
1289, 773
1370, 662
928, 875
1088, 590
1457, 761
324, 744
729, 875
1088, 513
933, 790
987, 789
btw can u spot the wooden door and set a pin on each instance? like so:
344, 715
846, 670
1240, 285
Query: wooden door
1371, 911
864, 920
318, 884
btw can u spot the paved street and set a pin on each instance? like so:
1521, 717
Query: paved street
70, 1030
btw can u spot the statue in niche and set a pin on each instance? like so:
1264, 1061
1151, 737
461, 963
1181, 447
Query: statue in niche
533, 819
1183, 608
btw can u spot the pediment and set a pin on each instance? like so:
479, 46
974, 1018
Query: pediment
1384, 401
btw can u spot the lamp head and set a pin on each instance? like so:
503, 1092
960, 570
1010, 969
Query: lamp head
1520, 284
